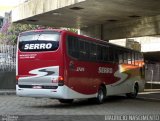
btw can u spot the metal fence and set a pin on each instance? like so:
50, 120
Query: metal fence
152, 73
7, 58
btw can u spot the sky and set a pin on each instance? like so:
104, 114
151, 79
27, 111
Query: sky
8, 5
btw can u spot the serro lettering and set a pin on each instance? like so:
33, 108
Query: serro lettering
105, 70
37, 46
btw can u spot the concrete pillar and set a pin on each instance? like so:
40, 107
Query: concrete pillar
92, 31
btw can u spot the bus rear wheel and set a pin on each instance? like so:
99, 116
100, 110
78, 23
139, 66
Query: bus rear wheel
134, 93
101, 95
65, 100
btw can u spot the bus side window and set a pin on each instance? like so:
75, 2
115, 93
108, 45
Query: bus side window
73, 46
82, 51
116, 54
111, 54
99, 53
93, 52
104, 53
125, 55
133, 58
136, 59
120, 57
129, 58
87, 49
140, 59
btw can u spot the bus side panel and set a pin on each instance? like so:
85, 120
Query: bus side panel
83, 78
128, 75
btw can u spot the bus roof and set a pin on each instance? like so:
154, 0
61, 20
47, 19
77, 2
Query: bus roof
42, 30
83, 36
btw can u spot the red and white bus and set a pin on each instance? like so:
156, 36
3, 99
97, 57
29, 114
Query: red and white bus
62, 65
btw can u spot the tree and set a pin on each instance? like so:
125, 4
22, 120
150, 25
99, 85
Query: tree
9, 36
73, 30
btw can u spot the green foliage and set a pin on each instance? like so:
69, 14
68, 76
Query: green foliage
73, 30
18, 28
10, 37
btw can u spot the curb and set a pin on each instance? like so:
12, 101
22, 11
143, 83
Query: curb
7, 92
149, 99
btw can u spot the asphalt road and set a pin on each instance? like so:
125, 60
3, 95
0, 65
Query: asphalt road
11, 106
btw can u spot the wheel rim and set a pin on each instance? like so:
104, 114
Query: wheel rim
100, 95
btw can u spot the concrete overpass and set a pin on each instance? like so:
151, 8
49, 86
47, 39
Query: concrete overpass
104, 19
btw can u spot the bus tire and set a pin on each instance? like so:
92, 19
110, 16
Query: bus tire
101, 95
134, 93
66, 100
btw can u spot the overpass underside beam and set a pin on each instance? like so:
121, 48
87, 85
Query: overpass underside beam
124, 29
103, 19
43, 12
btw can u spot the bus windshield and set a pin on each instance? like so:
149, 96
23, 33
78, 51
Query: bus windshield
39, 41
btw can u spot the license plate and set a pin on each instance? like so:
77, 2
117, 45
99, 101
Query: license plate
37, 87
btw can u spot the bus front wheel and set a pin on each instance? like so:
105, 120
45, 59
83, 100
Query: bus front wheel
134, 93
65, 100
